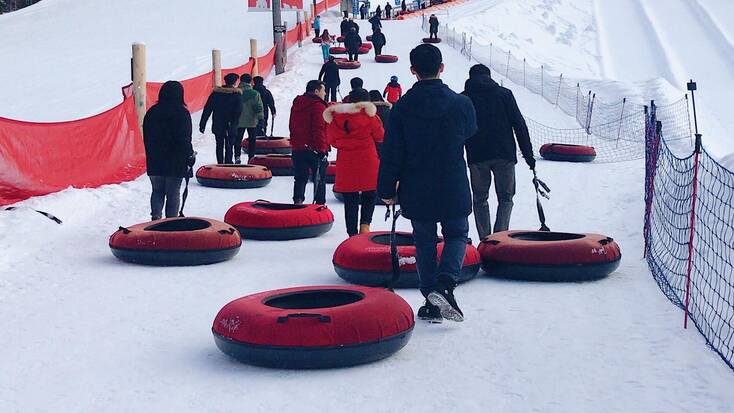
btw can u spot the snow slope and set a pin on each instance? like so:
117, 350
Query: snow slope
84, 332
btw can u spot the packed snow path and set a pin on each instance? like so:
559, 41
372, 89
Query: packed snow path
85, 332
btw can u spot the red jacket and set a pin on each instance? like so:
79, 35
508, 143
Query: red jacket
307, 126
393, 92
354, 129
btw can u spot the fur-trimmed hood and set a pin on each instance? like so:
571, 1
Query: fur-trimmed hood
381, 103
350, 108
227, 89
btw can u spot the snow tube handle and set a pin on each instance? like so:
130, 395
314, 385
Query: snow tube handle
124, 230
322, 318
230, 231
606, 240
490, 241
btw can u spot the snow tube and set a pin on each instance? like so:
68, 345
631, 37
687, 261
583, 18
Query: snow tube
263, 220
317, 40
429, 40
364, 50
567, 153
339, 197
346, 64
176, 241
314, 327
367, 46
340, 39
234, 176
386, 58
549, 256
365, 259
266, 145
337, 50
279, 164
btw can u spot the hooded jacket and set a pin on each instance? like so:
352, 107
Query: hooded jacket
167, 139
354, 129
267, 99
433, 24
383, 112
307, 124
330, 74
225, 103
252, 107
379, 40
424, 151
499, 120
352, 41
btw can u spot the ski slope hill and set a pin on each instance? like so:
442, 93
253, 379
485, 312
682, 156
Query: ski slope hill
83, 332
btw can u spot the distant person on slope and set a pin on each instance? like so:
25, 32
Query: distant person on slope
329, 74
345, 25
316, 26
424, 152
268, 102
379, 41
403, 6
225, 103
308, 142
393, 91
169, 155
354, 130
376, 21
251, 116
388, 11
492, 152
433, 27
353, 42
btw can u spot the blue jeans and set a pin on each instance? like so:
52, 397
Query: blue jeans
455, 234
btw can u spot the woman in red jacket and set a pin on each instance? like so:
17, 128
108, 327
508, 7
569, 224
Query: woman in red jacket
354, 130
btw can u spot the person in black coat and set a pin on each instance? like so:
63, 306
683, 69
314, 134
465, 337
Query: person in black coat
344, 26
376, 22
169, 155
225, 103
403, 6
492, 152
353, 42
422, 162
433, 27
388, 11
268, 101
329, 74
378, 41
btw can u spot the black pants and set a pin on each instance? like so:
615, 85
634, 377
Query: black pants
353, 56
252, 133
378, 50
352, 201
433, 35
307, 163
318, 32
225, 146
331, 93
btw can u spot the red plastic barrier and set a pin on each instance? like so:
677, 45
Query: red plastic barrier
40, 158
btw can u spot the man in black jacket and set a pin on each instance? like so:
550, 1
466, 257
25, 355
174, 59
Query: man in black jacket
345, 25
267, 98
423, 151
433, 27
379, 41
329, 74
226, 105
353, 42
492, 150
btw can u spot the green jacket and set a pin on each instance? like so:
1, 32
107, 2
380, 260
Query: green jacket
252, 107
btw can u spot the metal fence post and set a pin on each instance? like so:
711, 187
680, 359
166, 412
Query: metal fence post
560, 82
542, 81
490, 55
523, 72
507, 71
621, 116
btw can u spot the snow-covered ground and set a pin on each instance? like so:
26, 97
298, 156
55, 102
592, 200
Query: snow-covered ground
83, 332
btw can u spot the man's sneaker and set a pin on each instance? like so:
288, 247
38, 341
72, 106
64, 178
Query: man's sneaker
430, 313
238, 160
443, 298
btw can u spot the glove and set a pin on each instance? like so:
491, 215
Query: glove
191, 161
530, 162
202, 128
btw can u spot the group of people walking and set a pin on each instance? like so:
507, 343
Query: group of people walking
410, 147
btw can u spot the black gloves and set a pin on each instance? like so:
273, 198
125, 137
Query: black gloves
530, 162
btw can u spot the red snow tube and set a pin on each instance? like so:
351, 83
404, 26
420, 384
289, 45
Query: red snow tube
279, 164
340, 39
430, 40
367, 46
337, 50
567, 153
386, 58
263, 220
176, 241
364, 50
346, 64
314, 327
266, 145
365, 259
317, 40
549, 256
234, 176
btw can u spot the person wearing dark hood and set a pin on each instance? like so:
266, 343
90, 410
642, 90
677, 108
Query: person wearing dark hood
378, 11
344, 26
492, 151
225, 103
308, 142
388, 11
169, 155
355, 83
353, 42
329, 74
422, 163
378, 41
363, 11
433, 27
267, 99
403, 6
376, 21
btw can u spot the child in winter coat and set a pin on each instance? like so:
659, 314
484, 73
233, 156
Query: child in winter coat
354, 129
326, 42
393, 91
317, 26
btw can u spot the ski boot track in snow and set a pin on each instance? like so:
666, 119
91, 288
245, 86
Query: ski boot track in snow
85, 332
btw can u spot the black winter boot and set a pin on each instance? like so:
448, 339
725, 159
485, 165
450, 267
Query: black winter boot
443, 298
430, 313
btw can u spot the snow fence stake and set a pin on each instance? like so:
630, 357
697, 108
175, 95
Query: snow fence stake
560, 83
621, 116
507, 71
542, 81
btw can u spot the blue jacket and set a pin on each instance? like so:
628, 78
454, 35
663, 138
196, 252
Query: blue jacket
316, 24
424, 151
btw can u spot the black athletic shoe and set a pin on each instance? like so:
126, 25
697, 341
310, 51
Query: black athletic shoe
443, 298
431, 313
